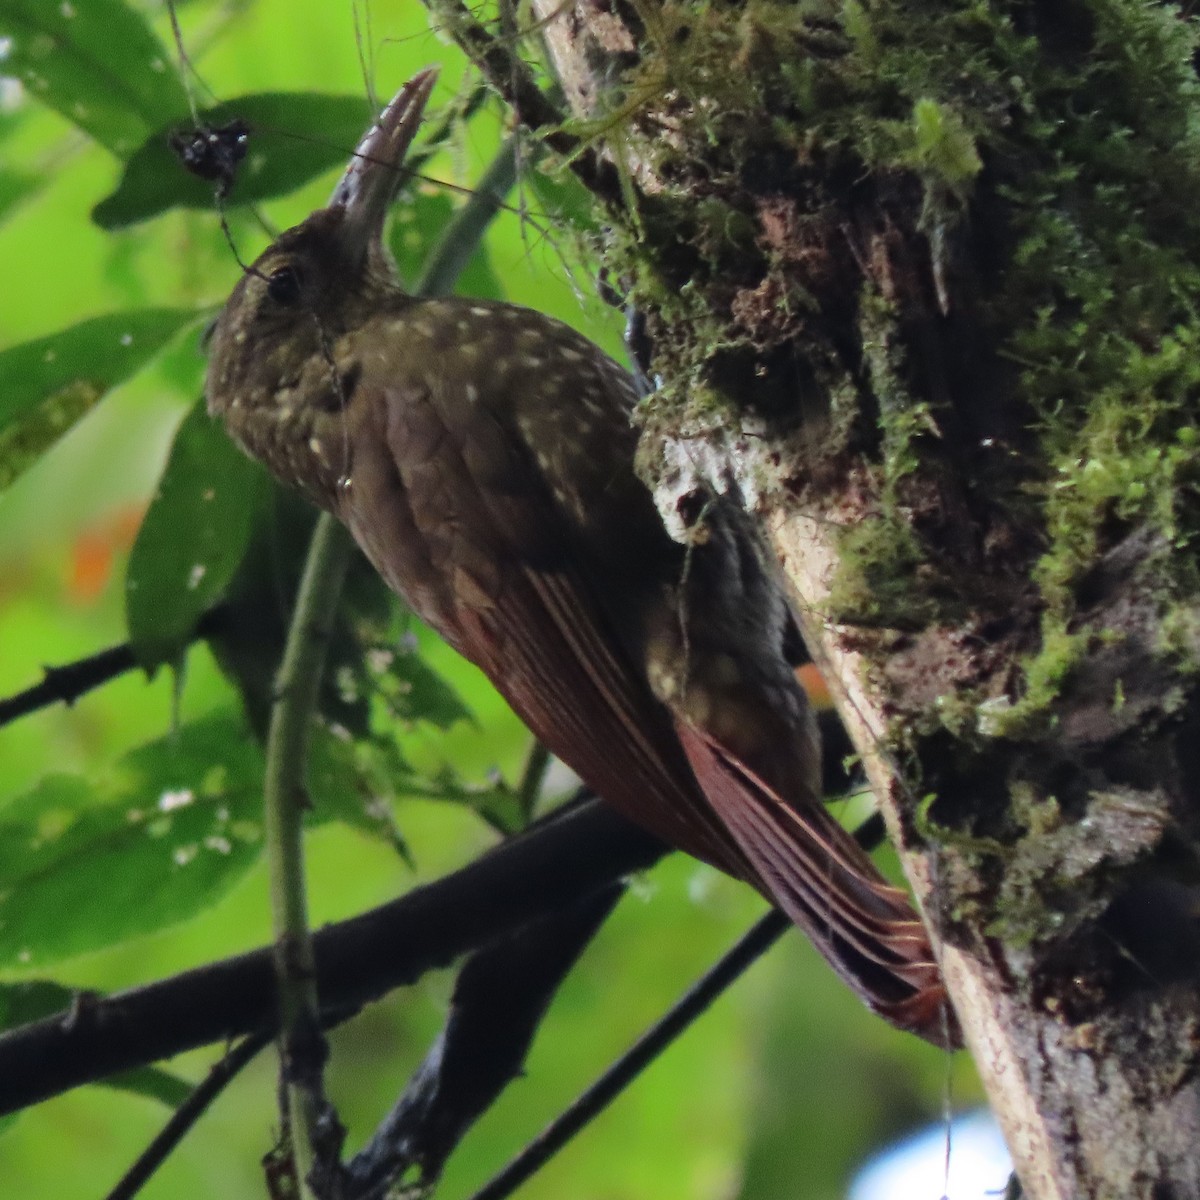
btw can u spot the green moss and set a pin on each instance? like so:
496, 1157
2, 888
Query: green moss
1067, 139
1179, 638
1032, 714
874, 583
958, 714
933, 831
1132, 459
1040, 816
943, 150
881, 559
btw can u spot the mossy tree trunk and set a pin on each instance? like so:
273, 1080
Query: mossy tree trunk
923, 281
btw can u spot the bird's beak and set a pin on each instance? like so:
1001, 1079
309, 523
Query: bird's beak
367, 189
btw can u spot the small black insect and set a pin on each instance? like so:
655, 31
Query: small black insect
213, 153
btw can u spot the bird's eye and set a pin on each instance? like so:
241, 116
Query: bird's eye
283, 286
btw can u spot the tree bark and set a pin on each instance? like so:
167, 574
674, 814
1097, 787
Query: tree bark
917, 281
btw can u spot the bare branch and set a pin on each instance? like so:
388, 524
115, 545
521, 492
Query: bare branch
500, 998
358, 960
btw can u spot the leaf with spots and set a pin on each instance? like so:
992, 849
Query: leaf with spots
355, 781
153, 841
411, 689
495, 802
97, 62
47, 384
193, 538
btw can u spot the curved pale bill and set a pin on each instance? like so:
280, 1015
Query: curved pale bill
376, 171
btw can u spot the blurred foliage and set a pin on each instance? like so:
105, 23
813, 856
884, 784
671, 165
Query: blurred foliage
48, 384
129, 827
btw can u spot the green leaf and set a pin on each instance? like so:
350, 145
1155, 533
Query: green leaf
248, 642
46, 385
15, 188
30, 1000
496, 803
354, 782
164, 835
413, 690
17, 185
294, 136
192, 539
153, 1083
416, 227
97, 63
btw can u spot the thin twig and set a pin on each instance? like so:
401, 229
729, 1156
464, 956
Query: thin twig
223, 1072
462, 236
65, 684
630, 1065
186, 70
500, 998
297, 686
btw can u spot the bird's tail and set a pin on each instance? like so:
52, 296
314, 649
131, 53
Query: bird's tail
816, 872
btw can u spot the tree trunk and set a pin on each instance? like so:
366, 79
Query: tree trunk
919, 281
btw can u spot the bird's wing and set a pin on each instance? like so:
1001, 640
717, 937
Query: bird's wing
477, 551
530, 618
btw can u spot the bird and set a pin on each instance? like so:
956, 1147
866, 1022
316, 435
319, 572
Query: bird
482, 455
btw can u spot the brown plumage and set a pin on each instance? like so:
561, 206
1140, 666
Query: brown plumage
482, 455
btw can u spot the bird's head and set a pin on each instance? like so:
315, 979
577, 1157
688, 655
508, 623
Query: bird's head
272, 347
